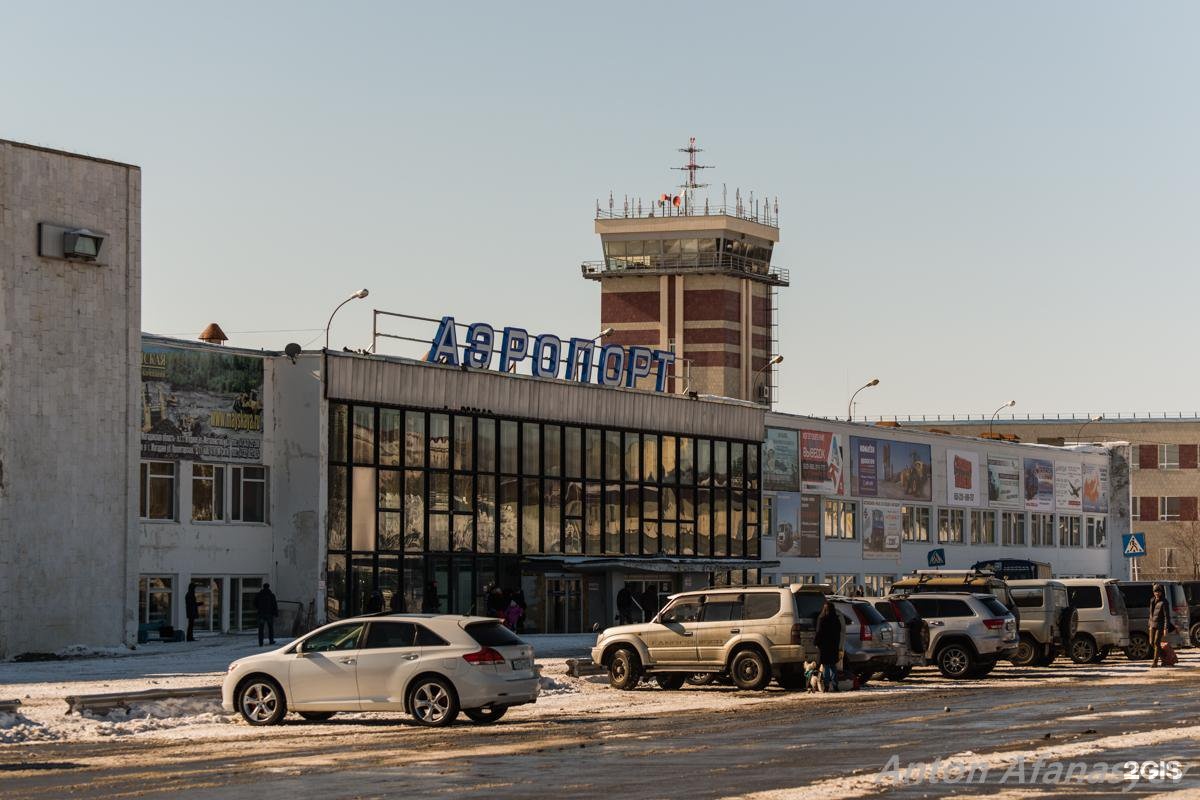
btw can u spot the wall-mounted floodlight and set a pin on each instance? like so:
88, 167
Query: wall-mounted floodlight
82, 244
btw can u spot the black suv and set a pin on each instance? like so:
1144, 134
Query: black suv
1191, 590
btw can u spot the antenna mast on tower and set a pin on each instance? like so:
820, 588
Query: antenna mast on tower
690, 168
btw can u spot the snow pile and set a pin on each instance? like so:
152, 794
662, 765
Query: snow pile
156, 715
550, 687
86, 651
15, 728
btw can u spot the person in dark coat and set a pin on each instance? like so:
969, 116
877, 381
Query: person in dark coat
375, 602
650, 601
429, 603
268, 609
518, 597
193, 610
828, 640
397, 603
1160, 620
625, 606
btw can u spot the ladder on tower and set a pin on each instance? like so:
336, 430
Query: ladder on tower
773, 342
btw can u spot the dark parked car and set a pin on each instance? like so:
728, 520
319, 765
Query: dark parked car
1191, 590
1137, 603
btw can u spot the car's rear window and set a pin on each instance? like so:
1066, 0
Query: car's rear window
925, 606
808, 605
1085, 596
995, 606
886, 611
1192, 590
908, 612
722, 609
1028, 598
1175, 592
492, 634
955, 608
1136, 596
760, 605
390, 634
870, 614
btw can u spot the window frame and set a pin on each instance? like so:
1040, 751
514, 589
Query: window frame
145, 478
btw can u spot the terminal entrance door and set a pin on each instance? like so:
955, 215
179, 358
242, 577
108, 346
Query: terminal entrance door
564, 603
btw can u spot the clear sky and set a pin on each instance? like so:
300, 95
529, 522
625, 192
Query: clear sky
979, 202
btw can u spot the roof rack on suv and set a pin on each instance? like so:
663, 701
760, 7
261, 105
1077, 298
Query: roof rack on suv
967, 575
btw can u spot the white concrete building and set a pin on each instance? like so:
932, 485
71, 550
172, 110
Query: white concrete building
858, 505
70, 317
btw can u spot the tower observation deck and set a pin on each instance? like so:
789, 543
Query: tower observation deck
681, 274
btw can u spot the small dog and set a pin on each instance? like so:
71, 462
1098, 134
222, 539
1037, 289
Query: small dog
812, 677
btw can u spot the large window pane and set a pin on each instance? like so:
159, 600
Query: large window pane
335, 588
633, 519
573, 451
687, 461
720, 535
338, 494
670, 472
339, 431
593, 513
389, 489
364, 435
464, 490
703, 522
703, 462
208, 493
414, 510
669, 538
592, 456
464, 533
508, 447
485, 513
720, 463
391, 423
509, 513
531, 446
633, 467
389, 531
464, 443
612, 456
737, 464
551, 516
439, 491
414, 439
669, 508
736, 520
486, 444
573, 536
650, 458
531, 522
552, 447
439, 532
362, 512
439, 441
612, 519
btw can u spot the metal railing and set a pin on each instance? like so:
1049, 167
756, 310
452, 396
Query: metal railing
696, 262
1057, 416
745, 211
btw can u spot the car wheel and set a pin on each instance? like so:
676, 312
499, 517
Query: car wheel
624, 669
1083, 649
1139, 647
485, 716
261, 702
955, 661
897, 673
750, 670
432, 702
1027, 651
670, 680
1195, 635
317, 716
701, 678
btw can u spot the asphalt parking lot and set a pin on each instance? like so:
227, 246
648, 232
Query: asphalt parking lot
583, 739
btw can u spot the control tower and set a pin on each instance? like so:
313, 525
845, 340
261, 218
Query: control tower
696, 279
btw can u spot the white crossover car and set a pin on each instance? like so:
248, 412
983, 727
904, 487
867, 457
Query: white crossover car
430, 666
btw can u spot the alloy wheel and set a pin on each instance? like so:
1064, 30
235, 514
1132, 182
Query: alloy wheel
259, 701
955, 661
431, 703
1083, 651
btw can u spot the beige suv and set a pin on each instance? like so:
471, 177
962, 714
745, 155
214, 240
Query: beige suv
753, 633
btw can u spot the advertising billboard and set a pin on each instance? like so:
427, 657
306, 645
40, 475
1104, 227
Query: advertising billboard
781, 461
1004, 482
821, 463
797, 525
962, 478
1095, 489
1068, 486
1039, 484
201, 405
893, 470
881, 529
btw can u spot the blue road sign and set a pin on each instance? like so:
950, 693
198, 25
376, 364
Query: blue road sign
1134, 545
937, 557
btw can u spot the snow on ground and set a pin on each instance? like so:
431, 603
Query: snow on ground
42, 687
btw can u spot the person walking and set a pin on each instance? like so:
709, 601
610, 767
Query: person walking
193, 611
429, 603
268, 609
828, 640
625, 606
512, 615
1160, 619
375, 602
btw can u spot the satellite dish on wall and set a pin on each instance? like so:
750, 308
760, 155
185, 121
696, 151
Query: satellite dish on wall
292, 350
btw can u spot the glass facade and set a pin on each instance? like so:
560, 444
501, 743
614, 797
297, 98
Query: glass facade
433, 522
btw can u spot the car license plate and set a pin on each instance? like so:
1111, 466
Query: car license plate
520, 663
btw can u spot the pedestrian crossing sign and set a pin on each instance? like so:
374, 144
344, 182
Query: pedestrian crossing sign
937, 557
1134, 545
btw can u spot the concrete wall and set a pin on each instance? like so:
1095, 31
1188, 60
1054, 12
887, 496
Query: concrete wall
845, 557
69, 379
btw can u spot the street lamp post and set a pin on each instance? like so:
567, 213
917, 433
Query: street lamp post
850, 405
360, 294
774, 360
996, 413
1079, 433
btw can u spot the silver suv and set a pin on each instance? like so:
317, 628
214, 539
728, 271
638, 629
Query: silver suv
968, 633
910, 635
1103, 621
1047, 623
751, 633
867, 641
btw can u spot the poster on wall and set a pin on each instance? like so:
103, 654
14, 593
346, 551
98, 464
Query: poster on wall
895, 470
1004, 482
1068, 486
962, 478
781, 461
785, 517
1039, 484
1095, 489
810, 526
821, 462
201, 405
881, 529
